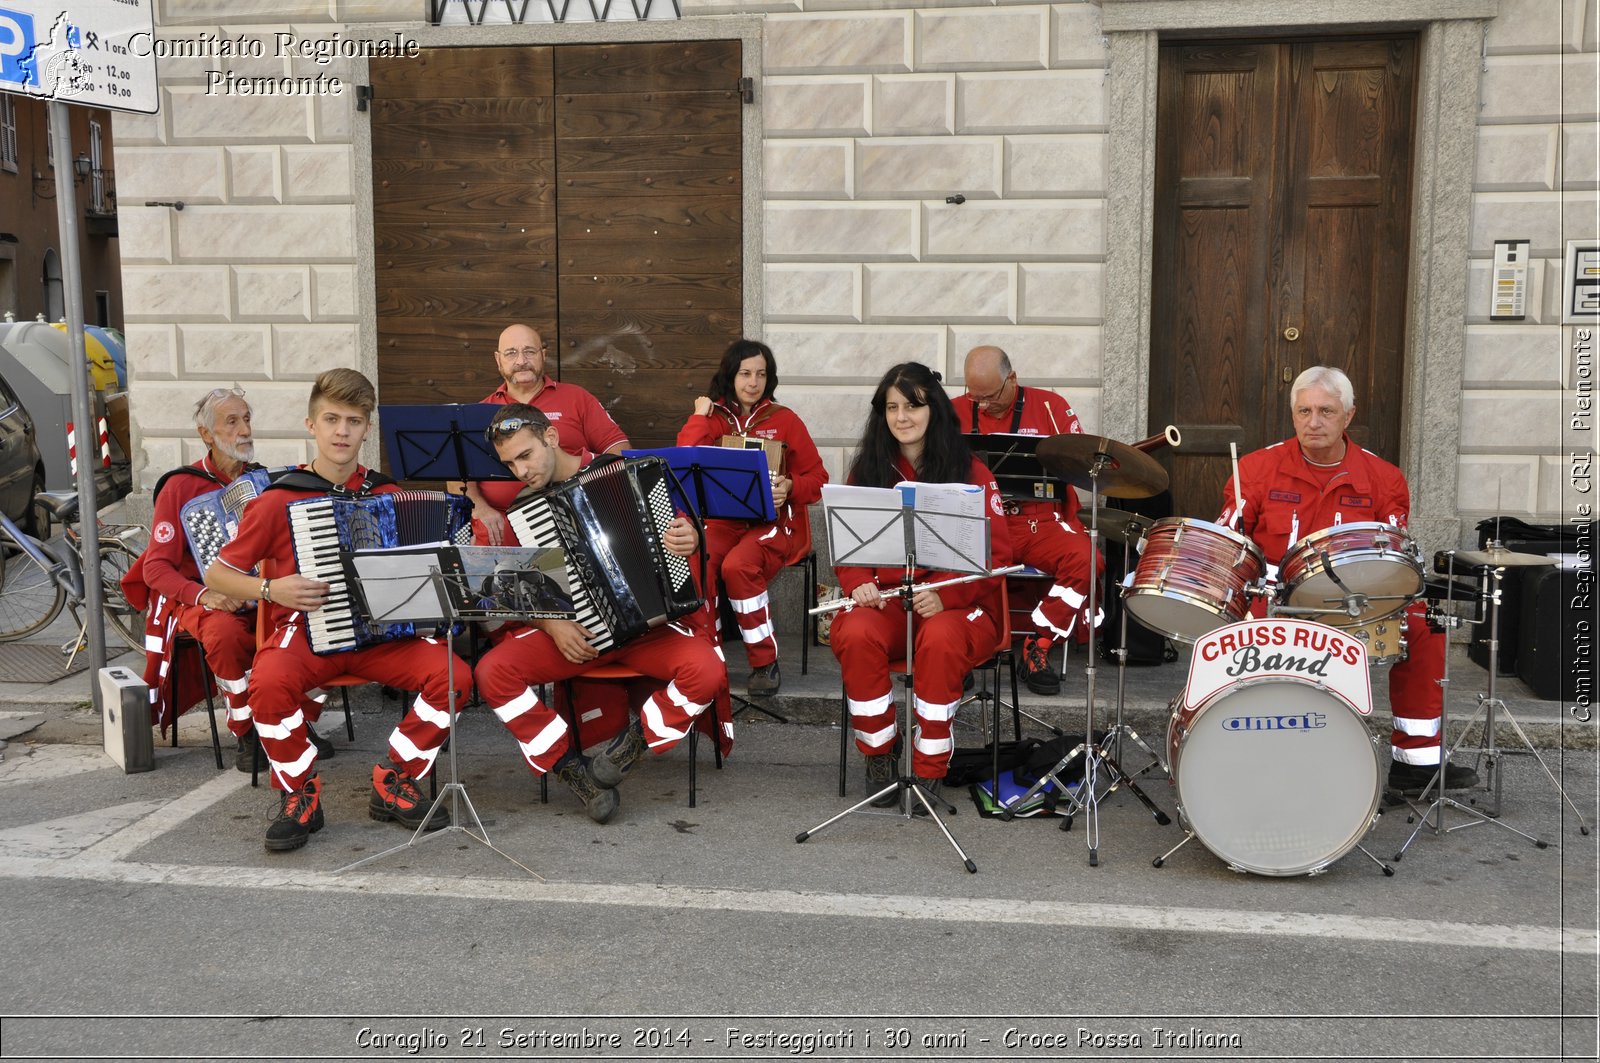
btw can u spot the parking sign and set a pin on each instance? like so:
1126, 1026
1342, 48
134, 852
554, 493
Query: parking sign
97, 53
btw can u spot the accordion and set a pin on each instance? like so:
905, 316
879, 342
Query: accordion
610, 519
210, 521
326, 530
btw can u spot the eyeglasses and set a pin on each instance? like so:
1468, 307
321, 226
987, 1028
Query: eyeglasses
217, 395
511, 426
510, 353
984, 400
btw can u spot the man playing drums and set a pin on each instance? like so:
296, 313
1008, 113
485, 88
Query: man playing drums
1044, 534
1319, 479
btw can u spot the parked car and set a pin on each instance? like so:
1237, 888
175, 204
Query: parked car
21, 467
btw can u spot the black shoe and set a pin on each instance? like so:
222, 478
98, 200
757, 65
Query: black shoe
398, 797
1036, 672
1413, 779
244, 760
608, 767
299, 817
325, 750
764, 680
880, 773
600, 802
932, 788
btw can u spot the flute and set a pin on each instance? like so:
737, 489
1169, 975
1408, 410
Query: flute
900, 592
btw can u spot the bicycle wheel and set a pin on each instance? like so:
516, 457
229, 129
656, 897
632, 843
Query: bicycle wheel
116, 557
29, 598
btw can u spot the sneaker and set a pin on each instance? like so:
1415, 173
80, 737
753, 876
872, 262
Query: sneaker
600, 802
245, 760
299, 817
397, 797
325, 750
608, 766
1412, 779
880, 773
764, 680
1036, 671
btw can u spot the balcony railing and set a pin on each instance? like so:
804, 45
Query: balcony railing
102, 194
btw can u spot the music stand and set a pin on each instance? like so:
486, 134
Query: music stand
442, 442
723, 483
422, 597
946, 526
1018, 472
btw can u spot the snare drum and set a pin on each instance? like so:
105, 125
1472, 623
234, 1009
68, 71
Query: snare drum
1277, 776
1373, 559
1191, 578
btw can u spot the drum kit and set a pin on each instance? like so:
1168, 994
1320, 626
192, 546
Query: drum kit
1273, 765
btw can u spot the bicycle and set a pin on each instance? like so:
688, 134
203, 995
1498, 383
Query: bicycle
40, 577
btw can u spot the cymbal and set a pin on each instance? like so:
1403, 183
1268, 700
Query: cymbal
1118, 525
1498, 556
1123, 472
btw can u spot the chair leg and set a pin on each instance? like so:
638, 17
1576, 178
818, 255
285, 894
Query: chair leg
349, 720
694, 750
808, 623
211, 715
844, 736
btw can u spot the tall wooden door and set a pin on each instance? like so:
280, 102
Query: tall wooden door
1283, 192
592, 192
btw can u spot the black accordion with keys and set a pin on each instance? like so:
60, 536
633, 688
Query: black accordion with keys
610, 519
327, 530
210, 521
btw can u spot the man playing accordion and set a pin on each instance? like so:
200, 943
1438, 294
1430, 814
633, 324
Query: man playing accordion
339, 418
552, 650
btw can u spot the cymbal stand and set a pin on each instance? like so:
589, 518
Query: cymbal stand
1115, 735
1435, 810
1086, 800
905, 782
455, 790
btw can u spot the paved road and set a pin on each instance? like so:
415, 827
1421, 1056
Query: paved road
149, 897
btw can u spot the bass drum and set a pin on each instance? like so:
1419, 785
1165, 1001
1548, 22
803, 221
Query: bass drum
1276, 776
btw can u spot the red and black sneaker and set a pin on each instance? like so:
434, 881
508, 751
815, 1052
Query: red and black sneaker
396, 796
1036, 671
299, 817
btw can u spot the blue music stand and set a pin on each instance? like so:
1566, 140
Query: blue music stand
725, 483
441, 442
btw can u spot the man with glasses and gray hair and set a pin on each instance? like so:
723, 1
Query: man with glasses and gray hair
167, 577
1045, 534
584, 427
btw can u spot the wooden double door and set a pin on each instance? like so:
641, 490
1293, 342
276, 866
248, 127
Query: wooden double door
593, 192
1282, 215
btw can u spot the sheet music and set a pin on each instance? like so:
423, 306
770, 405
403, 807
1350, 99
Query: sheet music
866, 525
951, 529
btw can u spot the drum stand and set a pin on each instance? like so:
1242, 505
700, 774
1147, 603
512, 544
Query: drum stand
905, 782
1119, 729
455, 790
1488, 705
1086, 800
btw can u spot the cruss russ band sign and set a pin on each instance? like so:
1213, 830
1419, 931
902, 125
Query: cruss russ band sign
1279, 649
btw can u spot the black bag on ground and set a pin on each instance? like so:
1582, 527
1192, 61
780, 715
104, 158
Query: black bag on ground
1027, 760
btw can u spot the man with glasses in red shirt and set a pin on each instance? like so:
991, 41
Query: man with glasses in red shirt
581, 422
1045, 534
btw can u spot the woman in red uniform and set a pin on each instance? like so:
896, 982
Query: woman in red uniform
912, 434
746, 555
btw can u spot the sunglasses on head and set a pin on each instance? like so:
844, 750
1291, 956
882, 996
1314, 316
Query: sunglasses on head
511, 426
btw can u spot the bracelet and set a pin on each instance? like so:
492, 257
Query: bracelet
266, 590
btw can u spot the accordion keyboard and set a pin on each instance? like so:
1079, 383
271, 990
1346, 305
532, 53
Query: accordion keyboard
534, 523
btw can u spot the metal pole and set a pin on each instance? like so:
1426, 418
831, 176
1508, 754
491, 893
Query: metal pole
87, 433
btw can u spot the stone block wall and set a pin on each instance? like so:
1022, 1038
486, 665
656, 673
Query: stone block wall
1535, 178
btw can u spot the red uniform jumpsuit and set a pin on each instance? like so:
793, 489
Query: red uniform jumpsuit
1286, 499
1046, 535
169, 571
285, 667
947, 646
747, 555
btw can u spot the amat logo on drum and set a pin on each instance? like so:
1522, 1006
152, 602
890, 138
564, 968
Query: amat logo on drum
1305, 721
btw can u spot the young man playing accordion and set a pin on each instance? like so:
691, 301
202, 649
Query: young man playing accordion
549, 651
341, 407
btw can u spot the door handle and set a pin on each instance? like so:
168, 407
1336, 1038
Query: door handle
1291, 333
